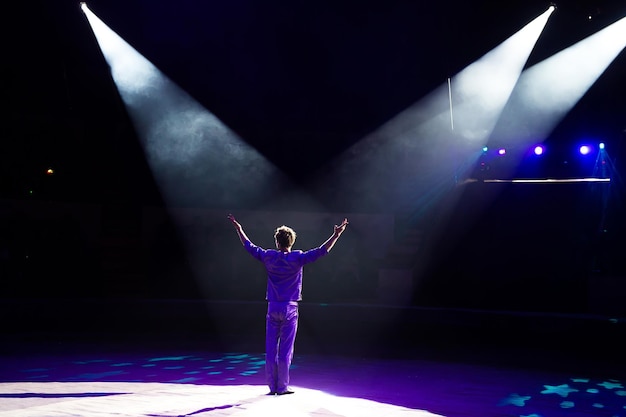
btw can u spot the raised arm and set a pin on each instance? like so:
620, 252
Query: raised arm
242, 235
330, 242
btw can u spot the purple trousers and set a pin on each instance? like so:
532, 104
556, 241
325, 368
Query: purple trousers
281, 325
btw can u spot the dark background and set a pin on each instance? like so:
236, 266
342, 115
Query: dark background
284, 74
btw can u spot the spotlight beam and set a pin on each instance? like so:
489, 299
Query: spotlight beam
195, 158
426, 144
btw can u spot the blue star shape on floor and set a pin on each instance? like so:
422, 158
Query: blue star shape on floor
563, 390
583, 380
515, 399
611, 385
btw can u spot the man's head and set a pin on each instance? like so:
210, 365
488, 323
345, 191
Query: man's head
285, 237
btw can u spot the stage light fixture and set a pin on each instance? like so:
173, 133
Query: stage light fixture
601, 146
538, 150
502, 151
584, 150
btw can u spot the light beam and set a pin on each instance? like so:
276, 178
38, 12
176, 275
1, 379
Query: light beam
424, 147
195, 158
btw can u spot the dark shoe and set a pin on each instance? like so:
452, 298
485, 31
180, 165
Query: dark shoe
284, 392
271, 393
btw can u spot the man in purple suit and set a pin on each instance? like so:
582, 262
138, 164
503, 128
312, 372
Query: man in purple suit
284, 291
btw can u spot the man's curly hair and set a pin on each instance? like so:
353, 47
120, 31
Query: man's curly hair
285, 236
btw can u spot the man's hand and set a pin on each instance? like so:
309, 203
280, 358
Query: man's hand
242, 235
234, 222
340, 228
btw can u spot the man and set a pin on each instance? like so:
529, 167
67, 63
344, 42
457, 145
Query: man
284, 290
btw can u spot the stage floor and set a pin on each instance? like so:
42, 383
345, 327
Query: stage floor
73, 378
